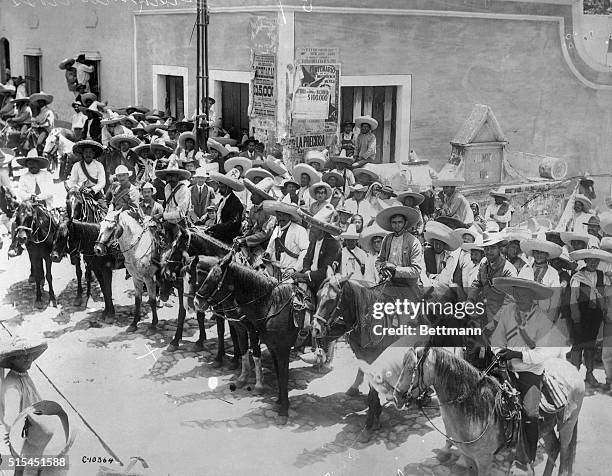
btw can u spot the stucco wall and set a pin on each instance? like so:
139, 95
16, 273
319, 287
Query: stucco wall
516, 67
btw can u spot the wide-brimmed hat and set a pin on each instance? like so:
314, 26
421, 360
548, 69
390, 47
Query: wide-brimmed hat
606, 243
94, 108
290, 181
501, 193
122, 169
437, 231
324, 219
250, 140
148, 186
477, 245
243, 162
273, 206
363, 171
256, 172
173, 170
276, 166
466, 231
491, 239
140, 147
184, 126
66, 63
88, 96
113, 118
160, 146
586, 177
339, 178
531, 245
413, 159
591, 253
388, 190
41, 162
212, 144
346, 123
451, 222
365, 241
152, 128
350, 233
315, 186
507, 285
16, 346
315, 156
139, 109
586, 202
130, 122
227, 179
18, 100
358, 188
86, 143
343, 209
184, 136
367, 120
261, 188
227, 141
568, 236
41, 96
116, 141
342, 158
201, 172
516, 234
300, 169
594, 221
384, 216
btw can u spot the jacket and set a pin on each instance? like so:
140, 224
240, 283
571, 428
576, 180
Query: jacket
331, 251
229, 219
409, 272
199, 203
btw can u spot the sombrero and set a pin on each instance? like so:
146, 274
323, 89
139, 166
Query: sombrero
141, 147
290, 181
130, 121
228, 180
276, 166
113, 119
139, 109
507, 285
531, 245
413, 159
314, 156
323, 219
568, 236
160, 146
350, 233
500, 193
201, 172
339, 178
389, 191
367, 120
363, 171
477, 245
16, 346
139, 116
342, 158
359, 188
586, 177
437, 231
184, 126
343, 209
116, 141
591, 253
94, 108
262, 188
384, 216
466, 231
45, 437
451, 222
211, 143
40, 161
346, 123
300, 169
86, 143
243, 162
315, 186
151, 128
48, 98
272, 206
226, 141
88, 96
516, 234
606, 243
66, 63
365, 241
491, 239
183, 138
153, 118
256, 172
182, 173
584, 200
18, 100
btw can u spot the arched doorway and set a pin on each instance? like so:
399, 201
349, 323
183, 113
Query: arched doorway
5, 60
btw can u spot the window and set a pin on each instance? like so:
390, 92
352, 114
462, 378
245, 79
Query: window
5, 60
94, 78
234, 108
33, 76
173, 99
378, 102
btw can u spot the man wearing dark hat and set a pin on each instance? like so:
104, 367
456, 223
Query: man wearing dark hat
230, 209
92, 129
250, 152
88, 173
44, 120
341, 163
500, 211
347, 139
122, 154
83, 71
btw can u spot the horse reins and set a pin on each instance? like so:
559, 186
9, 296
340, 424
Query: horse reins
34, 232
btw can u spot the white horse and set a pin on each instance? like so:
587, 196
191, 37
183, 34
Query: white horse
58, 144
137, 244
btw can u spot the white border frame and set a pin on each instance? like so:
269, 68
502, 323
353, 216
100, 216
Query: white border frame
217, 76
166, 70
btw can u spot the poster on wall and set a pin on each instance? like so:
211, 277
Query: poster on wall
264, 130
316, 95
263, 100
317, 55
264, 35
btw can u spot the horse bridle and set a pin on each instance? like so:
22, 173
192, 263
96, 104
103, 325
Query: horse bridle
416, 381
33, 232
333, 316
133, 245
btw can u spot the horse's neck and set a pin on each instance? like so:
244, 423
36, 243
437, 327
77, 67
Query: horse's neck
444, 361
138, 241
201, 246
65, 145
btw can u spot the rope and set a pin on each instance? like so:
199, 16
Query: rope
85, 422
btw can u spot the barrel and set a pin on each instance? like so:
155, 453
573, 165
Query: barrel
553, 168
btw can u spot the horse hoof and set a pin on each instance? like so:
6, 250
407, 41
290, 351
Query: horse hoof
53, 303
366, 436
260, 390
240, 383
78, 302
281, 420
39, 305
234, 365
131, 328
197, 347
217, 364
352, 392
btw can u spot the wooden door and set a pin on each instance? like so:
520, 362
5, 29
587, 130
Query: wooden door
5, 60
235, 107
174, 102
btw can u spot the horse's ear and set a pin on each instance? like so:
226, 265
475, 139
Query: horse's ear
330, 272
226, 259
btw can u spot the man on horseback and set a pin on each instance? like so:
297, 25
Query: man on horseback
125, 196
123, 155
520, 338
148, 205
88, 174
44, 120
259, 223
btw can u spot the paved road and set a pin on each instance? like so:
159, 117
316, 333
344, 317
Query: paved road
179, 414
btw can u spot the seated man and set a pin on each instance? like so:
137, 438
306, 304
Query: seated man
125, 195
259, 223
148, 205
88, 173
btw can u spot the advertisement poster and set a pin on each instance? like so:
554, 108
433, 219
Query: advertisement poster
264, 35
317, 94
317, 55
264, 90
263, 129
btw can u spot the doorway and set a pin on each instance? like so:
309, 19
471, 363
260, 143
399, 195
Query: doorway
5, 60
235, 107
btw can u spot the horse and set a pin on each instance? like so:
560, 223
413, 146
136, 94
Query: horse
75, 237
35, 228
58, 146
266, 303
194, 242
470, 404
136, 242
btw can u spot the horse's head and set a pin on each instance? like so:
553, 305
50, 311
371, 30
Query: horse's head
329, 298
406, 382
51, 143
24, 222
74, 204
174, 257
109, 228
209, 293
60, 242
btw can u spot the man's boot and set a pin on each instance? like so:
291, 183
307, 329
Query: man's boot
589, 362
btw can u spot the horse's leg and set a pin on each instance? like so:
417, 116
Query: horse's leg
107, 291
483, 465
568, 437
152, 293
256, 350
552, 447
76, 260
353, 390
283, 383
178, 335
198, 345
373, 415
48, 264
218, 362
137, 303
88, 281
276, 371
243, 337
237, 349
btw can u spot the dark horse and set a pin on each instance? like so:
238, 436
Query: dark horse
35, 228
78, 237
193, 242
83, 207
266, 303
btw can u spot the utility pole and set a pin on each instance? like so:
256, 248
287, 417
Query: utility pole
202, 63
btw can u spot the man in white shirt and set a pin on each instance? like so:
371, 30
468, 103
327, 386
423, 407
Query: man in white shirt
83, 71
305, 175
500, 211
177, 201
78, 119
581, 216
88, 173
355, 262
37, 182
